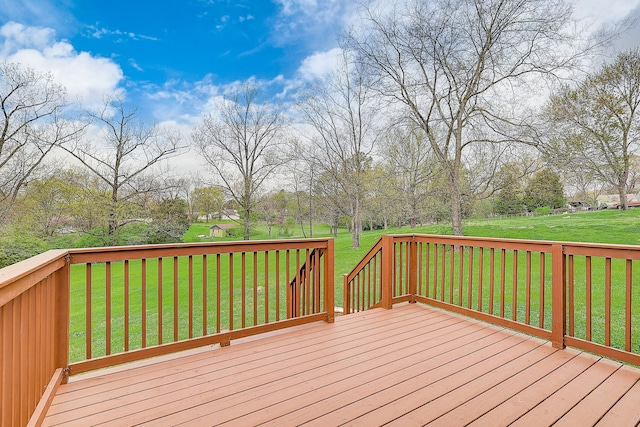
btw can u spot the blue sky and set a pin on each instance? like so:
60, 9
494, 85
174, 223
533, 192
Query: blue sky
174, 59
176, 52
170, 57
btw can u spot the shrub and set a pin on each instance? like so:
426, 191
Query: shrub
16, 247
542, 210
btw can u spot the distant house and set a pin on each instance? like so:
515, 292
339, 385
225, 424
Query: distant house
219, 230
223, 214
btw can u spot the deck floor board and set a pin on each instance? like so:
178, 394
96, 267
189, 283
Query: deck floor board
411, 365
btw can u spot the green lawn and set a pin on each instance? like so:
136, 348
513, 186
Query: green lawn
602, 226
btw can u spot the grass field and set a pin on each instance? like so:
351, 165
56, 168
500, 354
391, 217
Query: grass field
601, 227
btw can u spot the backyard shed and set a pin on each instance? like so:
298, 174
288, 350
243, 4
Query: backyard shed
219, 230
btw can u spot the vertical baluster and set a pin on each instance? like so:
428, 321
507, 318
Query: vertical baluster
108, 308
308, 278
369, 284
317, 282
231, 292
419, 279
435, 272
452, 255
480, 277
266, 286
542, 287
460, 273
255, 288
407, 269
190, 261
304, 284
277, 285
443, 270
296, 307
514, 297
126, 305
243, 282
452, 259
571, 297
492, 280
503, 280
628, 289
588, 296
218, 293
607, 302
361, 290
356, 292
159, 300
375, 278
290, 292
470, 280
427, 270
205, 297
88, 321
143, 268
310, 271
354, 301
175, 299
528, 288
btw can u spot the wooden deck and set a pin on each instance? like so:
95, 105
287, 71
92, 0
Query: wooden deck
412, 365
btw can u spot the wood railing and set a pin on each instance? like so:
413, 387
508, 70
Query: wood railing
70, 311
33, 333
575, 294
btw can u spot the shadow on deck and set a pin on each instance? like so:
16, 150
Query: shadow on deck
412, 365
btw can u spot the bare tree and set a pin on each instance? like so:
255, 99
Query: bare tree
124, 158
344, 115
455, 65
599, 123
31, 125
408, 154
304, 173
242, 144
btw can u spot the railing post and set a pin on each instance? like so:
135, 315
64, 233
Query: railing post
413, 269
62, 307
346, 295
388, 258
329, 285
558, 296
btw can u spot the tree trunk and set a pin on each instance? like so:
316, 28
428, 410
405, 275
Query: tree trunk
622, 192
355, 234
247, 224
456, 203
356, 224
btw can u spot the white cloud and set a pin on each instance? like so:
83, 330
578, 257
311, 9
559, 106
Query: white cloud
17, 36
602, 12
98, 33
87, 78
317, 22
320, 64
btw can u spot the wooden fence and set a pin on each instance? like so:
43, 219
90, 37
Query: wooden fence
69, 311
578, 294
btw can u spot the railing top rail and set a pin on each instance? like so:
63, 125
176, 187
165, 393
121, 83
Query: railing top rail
540, 245
364, 260
119, 253
576, 248
27, 267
